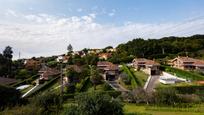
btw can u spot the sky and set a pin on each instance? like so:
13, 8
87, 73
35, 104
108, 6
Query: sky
46, 27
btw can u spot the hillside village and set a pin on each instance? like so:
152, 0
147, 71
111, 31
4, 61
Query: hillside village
161, 81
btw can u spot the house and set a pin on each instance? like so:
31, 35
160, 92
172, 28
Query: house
47, 73
109, 70
104, 56
7, 81
32, 64
94, 51
62, 58
111, 50
187, 63
148, 66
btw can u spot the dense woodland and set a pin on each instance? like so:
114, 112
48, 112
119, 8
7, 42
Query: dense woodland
160, 48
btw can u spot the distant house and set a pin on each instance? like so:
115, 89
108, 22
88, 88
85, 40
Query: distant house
94, 51
80, 53
109, 70
148, 66
62, 58
111, 50
32, 64
47, 73
187, 63
104, 56
7, 81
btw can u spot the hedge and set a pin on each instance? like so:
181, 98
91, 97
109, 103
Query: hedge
134, 81
113, 93
26, 81
189, 75
194, 89
43, 86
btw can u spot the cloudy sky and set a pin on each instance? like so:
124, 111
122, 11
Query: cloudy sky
46, 27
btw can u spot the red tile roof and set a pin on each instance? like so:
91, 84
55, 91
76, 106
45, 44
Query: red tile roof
195, 62
145, 61
104, 63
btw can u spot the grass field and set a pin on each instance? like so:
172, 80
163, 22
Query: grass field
132, 109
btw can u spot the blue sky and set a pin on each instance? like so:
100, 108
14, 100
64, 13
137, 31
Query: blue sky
52, 24
144, 11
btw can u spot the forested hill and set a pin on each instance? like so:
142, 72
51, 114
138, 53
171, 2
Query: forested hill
168, 46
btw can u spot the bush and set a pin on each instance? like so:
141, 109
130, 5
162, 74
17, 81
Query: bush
107, 87
9, 96
166, 96
71, 110
71, 88
52, 64
48, 102
95, 104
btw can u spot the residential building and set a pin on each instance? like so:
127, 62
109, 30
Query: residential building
32, 64
109, 70
187, 63
62, 58
111, 50
104, 56
148, 66
47, 73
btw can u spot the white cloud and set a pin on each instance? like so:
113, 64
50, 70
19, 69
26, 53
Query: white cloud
45, 35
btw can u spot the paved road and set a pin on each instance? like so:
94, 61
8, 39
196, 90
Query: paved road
152, 83
115, 85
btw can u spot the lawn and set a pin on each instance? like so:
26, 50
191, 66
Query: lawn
142, 76
156, 110
135, 81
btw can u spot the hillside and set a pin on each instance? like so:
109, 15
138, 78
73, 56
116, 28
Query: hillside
160, 48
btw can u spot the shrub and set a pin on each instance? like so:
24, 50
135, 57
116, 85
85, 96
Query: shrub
166, 96
48, 102
106, 87
95, 104
8, 96
71, 110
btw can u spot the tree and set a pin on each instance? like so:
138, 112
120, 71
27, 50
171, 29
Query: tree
22, 74
95, 104
69, 48
7, 53
6, 62
94, 76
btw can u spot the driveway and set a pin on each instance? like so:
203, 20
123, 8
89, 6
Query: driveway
115, 85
